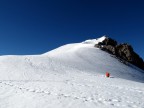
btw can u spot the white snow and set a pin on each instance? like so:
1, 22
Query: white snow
71, 76
95, 41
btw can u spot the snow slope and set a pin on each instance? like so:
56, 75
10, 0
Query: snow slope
70, 76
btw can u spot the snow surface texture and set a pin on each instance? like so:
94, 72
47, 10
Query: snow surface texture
72, 76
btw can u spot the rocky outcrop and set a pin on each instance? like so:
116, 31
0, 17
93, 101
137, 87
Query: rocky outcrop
108, 41
127, 53
123, 51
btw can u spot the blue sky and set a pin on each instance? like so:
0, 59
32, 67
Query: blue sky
37, 26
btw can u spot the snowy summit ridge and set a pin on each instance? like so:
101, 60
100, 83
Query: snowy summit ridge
95, 41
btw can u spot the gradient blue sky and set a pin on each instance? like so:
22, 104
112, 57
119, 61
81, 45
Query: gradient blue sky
37, 26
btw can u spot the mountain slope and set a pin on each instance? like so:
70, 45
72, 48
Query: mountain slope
69, 76
81, 57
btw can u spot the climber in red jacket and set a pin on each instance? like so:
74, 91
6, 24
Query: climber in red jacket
107, 74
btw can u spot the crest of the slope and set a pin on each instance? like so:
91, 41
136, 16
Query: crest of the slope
75, 46
95, 41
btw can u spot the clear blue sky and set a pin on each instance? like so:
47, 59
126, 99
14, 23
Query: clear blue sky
37, 26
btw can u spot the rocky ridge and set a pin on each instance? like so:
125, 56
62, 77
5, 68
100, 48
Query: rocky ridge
122, 51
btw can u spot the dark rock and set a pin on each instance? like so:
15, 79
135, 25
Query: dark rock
109, 48
127, 53
109, 41
97, 45
122, 51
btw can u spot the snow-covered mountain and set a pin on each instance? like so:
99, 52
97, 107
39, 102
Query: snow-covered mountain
70, 76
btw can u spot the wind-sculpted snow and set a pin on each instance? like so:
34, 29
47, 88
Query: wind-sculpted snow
70, 76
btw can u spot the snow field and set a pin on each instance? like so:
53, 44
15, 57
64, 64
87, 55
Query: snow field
70, 76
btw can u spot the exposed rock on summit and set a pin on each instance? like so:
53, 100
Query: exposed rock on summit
122, 51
